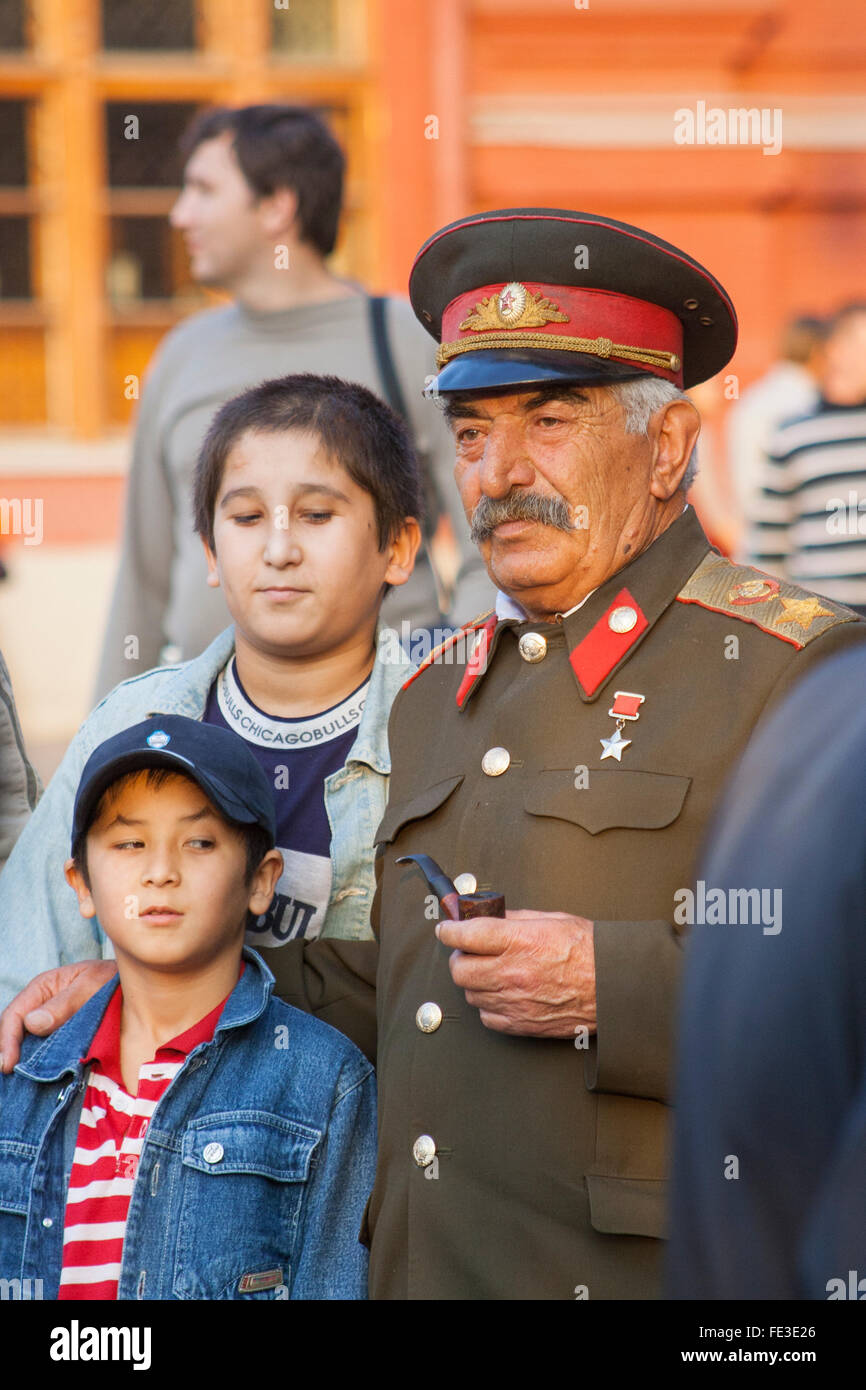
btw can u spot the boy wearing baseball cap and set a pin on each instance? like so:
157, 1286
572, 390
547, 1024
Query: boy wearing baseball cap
184, 1135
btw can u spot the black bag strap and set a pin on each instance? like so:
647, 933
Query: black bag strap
385, 360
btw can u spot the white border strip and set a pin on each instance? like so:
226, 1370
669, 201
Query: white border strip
626, 121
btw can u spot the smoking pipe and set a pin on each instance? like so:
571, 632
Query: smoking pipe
458, 906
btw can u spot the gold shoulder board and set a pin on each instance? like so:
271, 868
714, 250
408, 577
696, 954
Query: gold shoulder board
773, 605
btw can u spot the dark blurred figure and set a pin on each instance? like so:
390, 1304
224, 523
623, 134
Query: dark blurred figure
810, 518
769, 1182
789, 389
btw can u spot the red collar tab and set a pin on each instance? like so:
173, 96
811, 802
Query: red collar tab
477, 663
562, 312
460, 634
604, 646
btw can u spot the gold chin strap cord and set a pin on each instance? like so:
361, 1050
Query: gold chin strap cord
596, 347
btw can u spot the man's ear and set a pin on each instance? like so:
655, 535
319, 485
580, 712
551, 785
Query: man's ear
402, 551
75, 878
674, 433
264, 882
213, 578
278, 212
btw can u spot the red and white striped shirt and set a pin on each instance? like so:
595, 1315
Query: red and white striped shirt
110, 1136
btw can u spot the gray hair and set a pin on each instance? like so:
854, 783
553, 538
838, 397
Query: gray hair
640, 400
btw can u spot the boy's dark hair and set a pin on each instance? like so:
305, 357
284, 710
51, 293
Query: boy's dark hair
355, 427
282, 147
256, 839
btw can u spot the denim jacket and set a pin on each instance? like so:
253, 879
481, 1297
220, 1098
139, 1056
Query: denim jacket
40, 925
290, 1102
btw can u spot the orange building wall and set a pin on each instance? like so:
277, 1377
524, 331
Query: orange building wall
452, 107
547, 103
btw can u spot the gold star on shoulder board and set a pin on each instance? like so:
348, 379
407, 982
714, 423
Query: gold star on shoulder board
803, 611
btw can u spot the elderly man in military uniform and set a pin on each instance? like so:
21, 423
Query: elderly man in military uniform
571, 764
565, 751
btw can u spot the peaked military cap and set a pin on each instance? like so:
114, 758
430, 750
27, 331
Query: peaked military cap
526, 295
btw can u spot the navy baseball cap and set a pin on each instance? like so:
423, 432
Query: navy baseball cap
525, 296
218, 760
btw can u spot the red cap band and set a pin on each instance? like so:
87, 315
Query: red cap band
552, 312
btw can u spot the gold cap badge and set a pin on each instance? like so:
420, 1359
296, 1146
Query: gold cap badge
514, 307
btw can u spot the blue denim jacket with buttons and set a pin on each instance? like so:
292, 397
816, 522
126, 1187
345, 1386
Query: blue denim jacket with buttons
254, 1171
40, 925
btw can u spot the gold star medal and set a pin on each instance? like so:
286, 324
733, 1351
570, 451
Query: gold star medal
626, 706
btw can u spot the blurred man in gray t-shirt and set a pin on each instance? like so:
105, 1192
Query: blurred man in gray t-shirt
259, 211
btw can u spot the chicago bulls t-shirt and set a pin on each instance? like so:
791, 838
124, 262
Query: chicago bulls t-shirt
297, 755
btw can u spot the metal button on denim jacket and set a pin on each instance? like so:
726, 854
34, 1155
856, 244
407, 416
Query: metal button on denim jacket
254, 1171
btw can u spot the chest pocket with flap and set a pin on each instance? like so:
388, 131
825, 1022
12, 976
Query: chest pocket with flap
250, 1142
400, 813
614, 797
244, 1173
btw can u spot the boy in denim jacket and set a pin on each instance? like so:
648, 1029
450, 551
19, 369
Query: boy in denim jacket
184, 1135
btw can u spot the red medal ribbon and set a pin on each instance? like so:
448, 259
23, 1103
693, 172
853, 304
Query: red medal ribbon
626, 705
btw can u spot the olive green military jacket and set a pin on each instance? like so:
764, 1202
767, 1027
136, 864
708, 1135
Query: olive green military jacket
542, 1169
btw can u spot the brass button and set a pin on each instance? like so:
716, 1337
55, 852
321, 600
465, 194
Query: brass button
428, 1017
532, 646
622, 619
496, 761
466, 883
424, 1150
